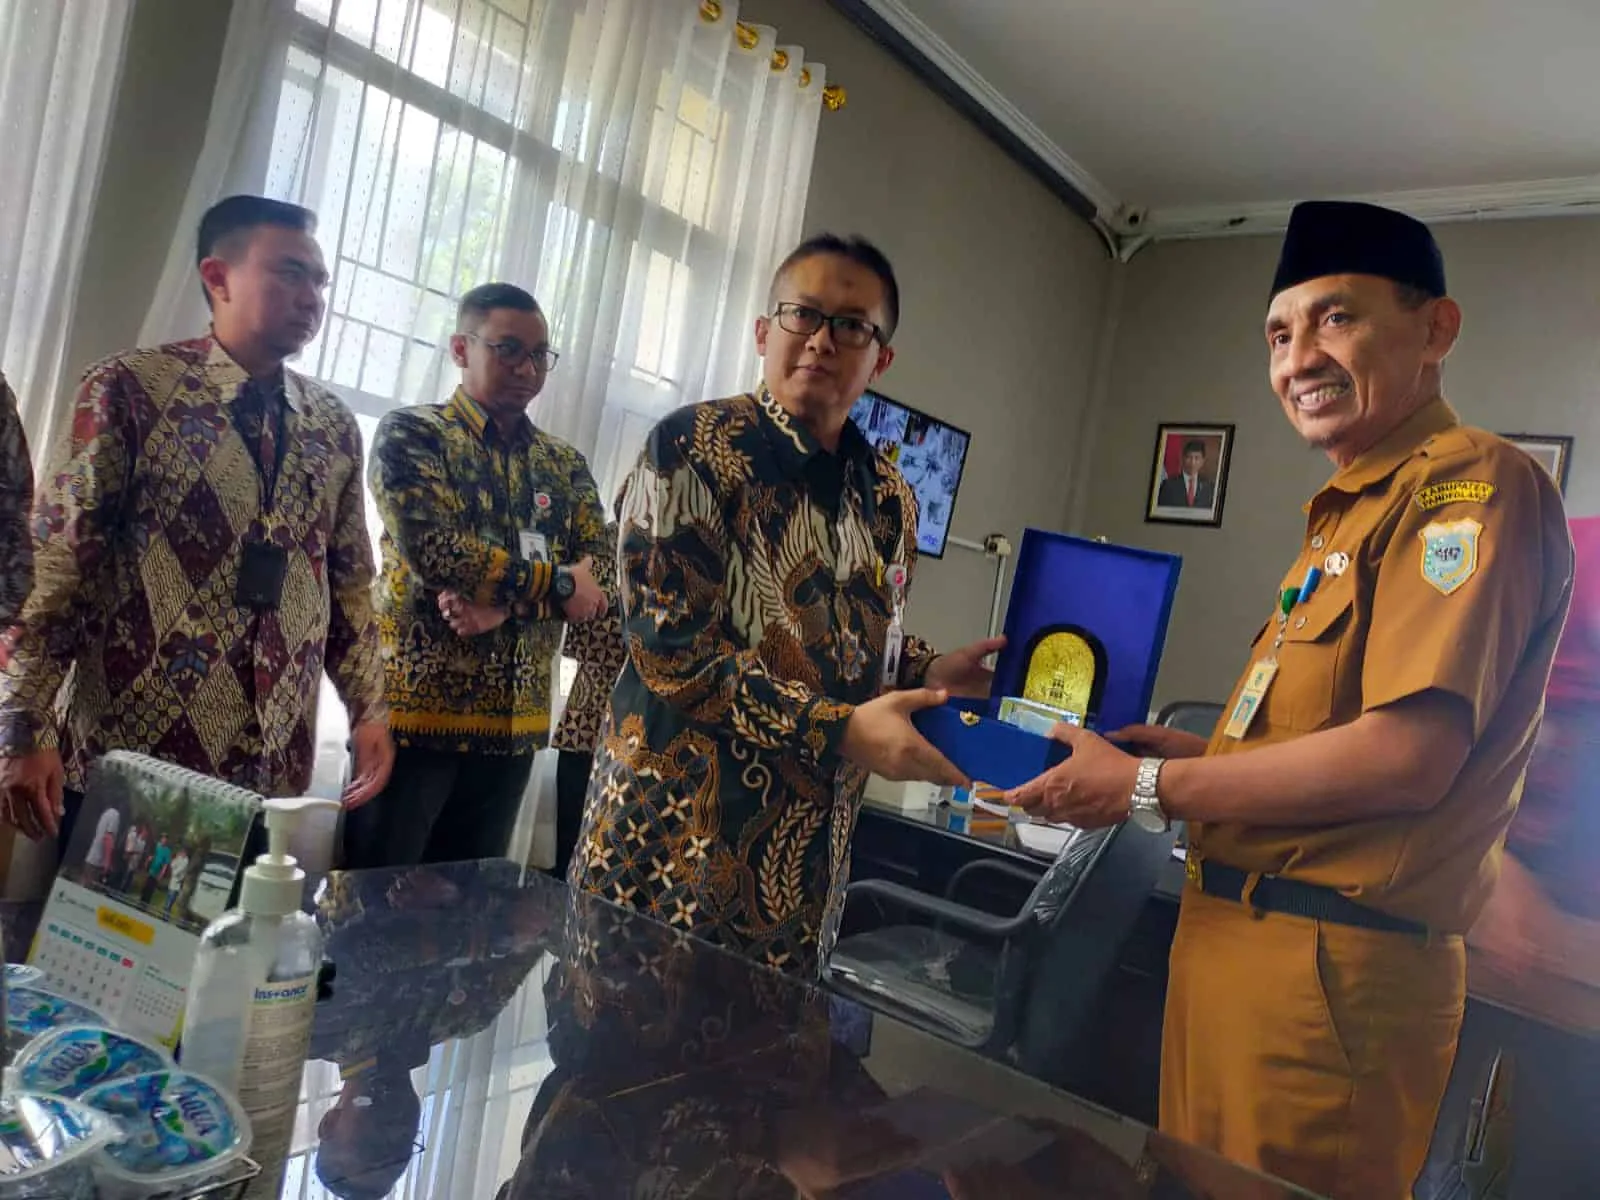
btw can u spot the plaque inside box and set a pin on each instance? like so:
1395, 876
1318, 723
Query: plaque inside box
1085, 628
1066, 668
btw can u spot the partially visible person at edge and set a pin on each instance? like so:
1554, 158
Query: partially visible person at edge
1533, 956
490, 526
1347, 815
201, 551
765, 554
16, 498
598, 649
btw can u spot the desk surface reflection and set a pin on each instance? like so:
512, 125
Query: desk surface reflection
492, 1035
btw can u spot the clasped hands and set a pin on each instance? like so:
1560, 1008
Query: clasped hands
1091, 789
467, 619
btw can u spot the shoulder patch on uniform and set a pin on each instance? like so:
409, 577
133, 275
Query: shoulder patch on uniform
1449, 553
1453, 491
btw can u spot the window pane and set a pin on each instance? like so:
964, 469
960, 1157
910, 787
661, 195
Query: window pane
462, 127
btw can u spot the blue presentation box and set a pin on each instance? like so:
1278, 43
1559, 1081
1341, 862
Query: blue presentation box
1116, 597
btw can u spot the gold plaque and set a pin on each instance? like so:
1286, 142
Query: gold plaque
1061, 672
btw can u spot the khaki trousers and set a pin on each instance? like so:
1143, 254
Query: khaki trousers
1313, 1052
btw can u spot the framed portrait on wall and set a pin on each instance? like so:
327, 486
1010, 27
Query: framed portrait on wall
1189, 477
1553, 452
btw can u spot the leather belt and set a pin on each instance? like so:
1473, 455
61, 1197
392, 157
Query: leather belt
1291, 897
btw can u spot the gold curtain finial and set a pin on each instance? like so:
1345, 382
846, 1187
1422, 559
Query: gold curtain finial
833, 97
710, 11
780, 60
805, 77
748, 35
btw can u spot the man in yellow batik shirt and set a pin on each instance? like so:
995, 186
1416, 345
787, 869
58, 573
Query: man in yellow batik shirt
490, 528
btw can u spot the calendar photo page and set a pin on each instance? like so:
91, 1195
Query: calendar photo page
153, 859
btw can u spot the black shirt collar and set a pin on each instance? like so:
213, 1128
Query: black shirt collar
795, 448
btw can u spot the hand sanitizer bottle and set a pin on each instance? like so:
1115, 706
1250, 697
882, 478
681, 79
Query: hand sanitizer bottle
253, 995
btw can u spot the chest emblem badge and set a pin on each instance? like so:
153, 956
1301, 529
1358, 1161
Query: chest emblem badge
1450, 553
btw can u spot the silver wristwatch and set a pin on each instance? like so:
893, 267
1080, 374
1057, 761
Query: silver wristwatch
1144, 806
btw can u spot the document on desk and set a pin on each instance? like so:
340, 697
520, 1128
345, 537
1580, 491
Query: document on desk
1045, 839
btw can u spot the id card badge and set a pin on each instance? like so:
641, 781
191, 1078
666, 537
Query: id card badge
1250, 698
894, 641
533, 546
262, 568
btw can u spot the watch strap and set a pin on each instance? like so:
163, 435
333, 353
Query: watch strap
1146, 781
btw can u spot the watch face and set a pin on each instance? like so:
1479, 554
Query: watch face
1148, 820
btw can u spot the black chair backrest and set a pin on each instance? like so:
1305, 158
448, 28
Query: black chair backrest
1071, 866
1080, 949
1192, 716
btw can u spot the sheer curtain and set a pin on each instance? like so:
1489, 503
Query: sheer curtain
59, 65
639, 165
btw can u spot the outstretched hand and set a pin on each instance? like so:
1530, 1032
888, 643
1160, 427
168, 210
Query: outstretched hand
962, 672
1092, 789
881, 738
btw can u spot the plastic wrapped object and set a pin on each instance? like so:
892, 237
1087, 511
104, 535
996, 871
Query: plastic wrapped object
180, 1130
31, 1011
71, 1060
48, 1145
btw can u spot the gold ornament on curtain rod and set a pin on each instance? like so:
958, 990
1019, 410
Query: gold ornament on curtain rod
833, 96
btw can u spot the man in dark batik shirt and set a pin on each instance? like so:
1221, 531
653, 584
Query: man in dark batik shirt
763, 546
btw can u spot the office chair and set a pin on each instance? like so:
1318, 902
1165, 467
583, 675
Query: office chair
1022, 987
959, 972
1192, 716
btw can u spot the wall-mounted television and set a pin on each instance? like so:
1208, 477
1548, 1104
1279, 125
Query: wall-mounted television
930, 453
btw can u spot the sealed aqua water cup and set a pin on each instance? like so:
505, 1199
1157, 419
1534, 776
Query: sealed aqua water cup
31, 1011
179, 1130
48, 1146
22, 975
74, 1058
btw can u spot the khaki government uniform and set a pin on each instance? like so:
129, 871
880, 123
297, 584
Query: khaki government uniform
1315, 1051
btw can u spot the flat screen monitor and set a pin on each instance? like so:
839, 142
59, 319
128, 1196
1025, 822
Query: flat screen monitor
930, 453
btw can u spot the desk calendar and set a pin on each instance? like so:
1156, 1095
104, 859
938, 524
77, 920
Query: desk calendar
154, 857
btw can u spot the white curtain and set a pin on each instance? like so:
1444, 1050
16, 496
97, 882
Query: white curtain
59, 65
639, 165
233, 158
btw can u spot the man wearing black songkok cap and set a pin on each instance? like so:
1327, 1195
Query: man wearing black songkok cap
1346, 817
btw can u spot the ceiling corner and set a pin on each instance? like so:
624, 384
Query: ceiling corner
929, 45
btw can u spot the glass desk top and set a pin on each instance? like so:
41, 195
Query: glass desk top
991, 829
490, 1035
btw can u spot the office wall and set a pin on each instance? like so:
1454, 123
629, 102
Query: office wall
1188, 347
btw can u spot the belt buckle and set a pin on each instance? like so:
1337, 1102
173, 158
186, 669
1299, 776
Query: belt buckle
1191, 867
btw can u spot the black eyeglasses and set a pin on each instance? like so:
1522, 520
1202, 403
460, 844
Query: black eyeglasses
512, 354
854, 333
